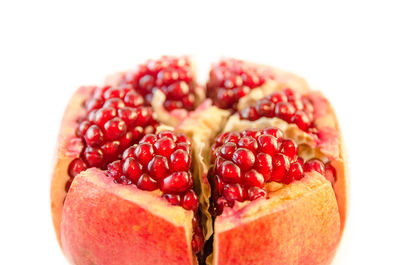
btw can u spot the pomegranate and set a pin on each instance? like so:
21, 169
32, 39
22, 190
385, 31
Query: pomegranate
254, 174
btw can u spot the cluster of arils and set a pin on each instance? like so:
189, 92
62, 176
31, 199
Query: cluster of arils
231, 80
171, 75
287, 105
115, 119
244, 162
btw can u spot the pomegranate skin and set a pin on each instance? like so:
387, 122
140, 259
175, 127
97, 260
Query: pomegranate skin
304, 230
108, 224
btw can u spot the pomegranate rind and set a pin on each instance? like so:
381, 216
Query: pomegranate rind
202, 126
298, 224
67, 150
108, 224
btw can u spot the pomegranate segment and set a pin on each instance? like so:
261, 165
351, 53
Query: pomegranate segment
244, 162
232, 79
115, 119
287, 105
159, 162
172, 75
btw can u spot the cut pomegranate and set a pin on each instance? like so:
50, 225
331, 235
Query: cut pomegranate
287, 105
172, 75
231, 80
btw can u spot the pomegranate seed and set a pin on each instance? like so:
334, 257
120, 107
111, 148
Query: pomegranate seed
145, 182
253, 178
133, 99
190, 201
173, 199
219, 184
144, 153
128, 115
280, 167
123, 180
167, 134
249, 113
302, 120
115, 103
129, 152
227, 150
265, 108
330, 173
248, 143
83, 127
93, 156
285, 110
180, 161
149, 138
295, 172
316, 165
254, 193
132, 169
244, 158
164, 146
177, 182
230, 172
233, 192
126, 141
158, 167
110, 150
115, 128
94, 103
264, 165
277, 97
104, 114
268, 144
183, 146
178, 90
275, 132
76, 166
94, 136
289, 148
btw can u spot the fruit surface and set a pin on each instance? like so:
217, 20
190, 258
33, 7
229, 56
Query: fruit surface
148, 172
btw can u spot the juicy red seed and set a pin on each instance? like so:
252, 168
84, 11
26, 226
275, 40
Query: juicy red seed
167, 134
264, 165
177, 90
197, 242
183, 146
115, 128
126, 140
133, 99
104, 114
230, 172
167, 76
218, 164
289, 148
93, 156
147, 82
94, 103
128, 115
144, 153
285, 111
149, 138
227, 150
219, 184
295, 171
268, 144
225, 98
76, 166
253, 178
82, 128
330, 173
296, 102
275, 132
190, 201
244, 158
115, 103
288, 92
233, 81
174, 199
145, 182
110, 149
241, 91
99, 92
249, 113
113, 93
114, 169
132, 169
248, 143
92, 116
280, 167
181, 138
179, 161
164, 146
177, 182
129, 152
232, 137
277, 97
94, 136
251, 133
254, 193
221, 138
316, 165
158, 167
233, 192
265, 108
302, 120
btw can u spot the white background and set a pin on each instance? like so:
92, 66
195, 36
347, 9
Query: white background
348, 50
